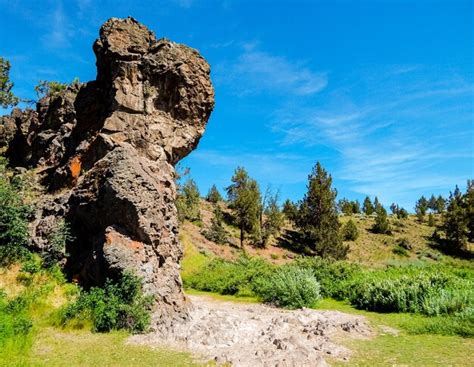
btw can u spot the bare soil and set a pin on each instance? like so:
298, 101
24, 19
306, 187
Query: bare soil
260, 335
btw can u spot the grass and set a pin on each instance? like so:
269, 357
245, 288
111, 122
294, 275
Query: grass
402, 348
53, 347
193, 260
74, 345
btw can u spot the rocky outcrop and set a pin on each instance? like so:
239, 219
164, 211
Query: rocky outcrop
106, 151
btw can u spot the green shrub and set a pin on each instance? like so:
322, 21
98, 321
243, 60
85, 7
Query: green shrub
118, 305
349, 231
425, 290
401, 251
289, 286
331, 275
13, 219
57, 244
229, 277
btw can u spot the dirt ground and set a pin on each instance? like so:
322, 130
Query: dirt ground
259, 335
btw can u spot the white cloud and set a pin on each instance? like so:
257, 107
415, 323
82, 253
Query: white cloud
258, 71
387, 146
59, 31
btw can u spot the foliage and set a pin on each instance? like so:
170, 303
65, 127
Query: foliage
431, 220
402, 213
118, 305
57, 240
367, 206
49, 88
289, 287
381, 225
273, 220
13, 218
428, 290
469, 204
421, 207
290, 210
216, 232
331, 275
214, 196
244, 199
348, 207
317, 216
187, 202
229, 277
350, 231
455, 220
7, 98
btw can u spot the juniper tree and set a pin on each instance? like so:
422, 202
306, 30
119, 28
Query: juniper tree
377, 204
214, 196
350, 231
421, 207
290, 210
273, 218
440, 204
368, 207
381, 224
244, 199
317, 217
7, 98
187, 202
216, 232
469, 205
455, 223
432, 204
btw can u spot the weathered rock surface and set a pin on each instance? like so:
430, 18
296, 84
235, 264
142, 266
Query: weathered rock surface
107, 149
258, 335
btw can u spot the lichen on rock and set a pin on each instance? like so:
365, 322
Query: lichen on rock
106, 151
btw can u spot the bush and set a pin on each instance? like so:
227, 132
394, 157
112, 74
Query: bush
13, 219
349, 231
331, 275
401, 251
381, 224
426, 290
118, 305
290, 287
229, 277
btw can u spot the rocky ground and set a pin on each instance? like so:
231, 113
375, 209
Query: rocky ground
259, 335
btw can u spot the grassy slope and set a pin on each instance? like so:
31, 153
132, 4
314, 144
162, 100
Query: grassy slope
386, 348
369, 249
48, 345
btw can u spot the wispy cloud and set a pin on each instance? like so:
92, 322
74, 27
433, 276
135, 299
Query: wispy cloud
256, 71
59, 29
394, 141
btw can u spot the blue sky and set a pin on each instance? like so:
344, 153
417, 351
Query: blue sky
381, 92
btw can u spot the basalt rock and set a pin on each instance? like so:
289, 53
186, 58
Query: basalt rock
106, 152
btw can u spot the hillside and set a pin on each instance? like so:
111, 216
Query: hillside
369, 248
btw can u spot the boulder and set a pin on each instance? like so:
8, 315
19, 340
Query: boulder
106, 151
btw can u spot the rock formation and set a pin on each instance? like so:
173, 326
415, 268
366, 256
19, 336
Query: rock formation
106, 152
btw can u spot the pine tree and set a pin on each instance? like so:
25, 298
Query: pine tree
432, 204
350, 231
318, 218
394, 208
377, 204
440, 204
273, 218
290, 210
402, 213
382, 224
187, 202
469, 204
213, 196
244, 198
356, 207
216, 232
7, 98
368, 208
455, 220
421, 207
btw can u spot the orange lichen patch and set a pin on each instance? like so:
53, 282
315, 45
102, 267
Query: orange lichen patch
113, 238
75, 167
135, 245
